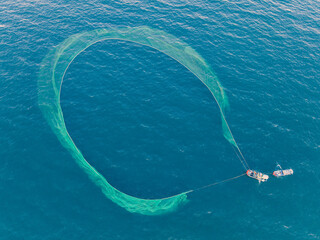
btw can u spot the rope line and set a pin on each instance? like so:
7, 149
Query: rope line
237, 154
216, 183
241, 158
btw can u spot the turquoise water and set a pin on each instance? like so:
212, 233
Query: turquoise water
153, 130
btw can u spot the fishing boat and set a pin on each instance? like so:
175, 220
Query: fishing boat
257, 175
280, 172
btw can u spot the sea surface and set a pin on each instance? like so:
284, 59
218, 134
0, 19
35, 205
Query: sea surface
153, 129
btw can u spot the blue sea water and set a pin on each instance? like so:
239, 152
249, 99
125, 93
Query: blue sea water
153, 130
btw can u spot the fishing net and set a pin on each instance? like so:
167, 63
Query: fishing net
54, 67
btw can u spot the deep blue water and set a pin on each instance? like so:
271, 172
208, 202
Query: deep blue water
153, 130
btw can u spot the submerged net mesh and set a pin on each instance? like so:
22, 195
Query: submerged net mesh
51, 76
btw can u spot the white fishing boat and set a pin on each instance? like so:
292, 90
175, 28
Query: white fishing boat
257, 175
281, 173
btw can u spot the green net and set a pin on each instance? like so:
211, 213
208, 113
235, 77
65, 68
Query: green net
54, 67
